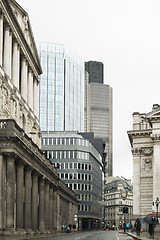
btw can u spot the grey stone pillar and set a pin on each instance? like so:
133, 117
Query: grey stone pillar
35, 94
10, 190
47, 206
41, 206
16, 64
2, 195
55, 209
24, 77
6, 60
1, 37
30, 88
51, 208
136, 180
58, 212
35, 201
27, 209
19, 197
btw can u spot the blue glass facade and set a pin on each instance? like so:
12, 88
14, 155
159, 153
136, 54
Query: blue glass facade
61, 91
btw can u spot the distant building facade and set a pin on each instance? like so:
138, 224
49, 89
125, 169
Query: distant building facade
145, 147
31, 193
118, 195
61, 91
98, 110
79, 165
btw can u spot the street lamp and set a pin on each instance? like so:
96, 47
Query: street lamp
157, 204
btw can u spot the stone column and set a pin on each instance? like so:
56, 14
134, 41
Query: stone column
41, 206
35, 94
136, 181
16, 64
156, 166
30, 89
24, 77
51, 208
35, 201
70, 213
27, 209
58, 212
19, 197
6, 60
54, 209
1, 37
2, 196
10, 54
47, 206
10, 191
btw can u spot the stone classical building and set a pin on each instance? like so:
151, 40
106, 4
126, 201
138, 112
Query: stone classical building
118, 194
145, 146
32, 197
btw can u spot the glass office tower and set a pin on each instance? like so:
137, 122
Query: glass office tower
61, 91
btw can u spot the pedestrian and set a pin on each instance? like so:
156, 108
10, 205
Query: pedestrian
151, 226
124, 227
138, 226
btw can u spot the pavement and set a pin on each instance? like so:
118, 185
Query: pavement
144, 236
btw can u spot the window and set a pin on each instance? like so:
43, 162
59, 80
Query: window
75, 165
70, 176
79, 166
75, 186
62, 175
70, 165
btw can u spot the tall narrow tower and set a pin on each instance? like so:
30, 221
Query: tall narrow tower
98, 109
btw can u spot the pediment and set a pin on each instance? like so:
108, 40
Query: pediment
22, 20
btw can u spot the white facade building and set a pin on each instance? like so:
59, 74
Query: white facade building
145, 146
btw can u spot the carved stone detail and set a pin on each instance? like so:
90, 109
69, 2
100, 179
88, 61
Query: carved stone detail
136, 151
148, 151
147, 165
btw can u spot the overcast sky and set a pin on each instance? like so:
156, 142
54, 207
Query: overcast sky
125, 36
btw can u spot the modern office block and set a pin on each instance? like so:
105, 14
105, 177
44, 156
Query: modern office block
79, 165
61, 91
98, 114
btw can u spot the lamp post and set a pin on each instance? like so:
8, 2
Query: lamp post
157, 204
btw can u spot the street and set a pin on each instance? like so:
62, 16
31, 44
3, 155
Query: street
91, 235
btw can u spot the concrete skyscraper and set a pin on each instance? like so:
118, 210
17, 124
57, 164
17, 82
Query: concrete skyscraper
98, 109
61, 92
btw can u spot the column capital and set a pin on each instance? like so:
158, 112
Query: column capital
28, 168
136, 151
20, 163
9, 155
155, 137
1, 13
